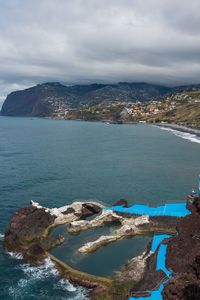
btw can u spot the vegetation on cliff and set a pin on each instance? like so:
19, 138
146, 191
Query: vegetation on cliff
186, 110
118, 103
54, 98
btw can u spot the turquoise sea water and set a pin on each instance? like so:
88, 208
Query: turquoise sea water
55, 162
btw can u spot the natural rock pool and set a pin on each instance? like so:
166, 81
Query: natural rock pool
105, 260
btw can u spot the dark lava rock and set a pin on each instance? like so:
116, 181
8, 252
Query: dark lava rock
52, 241
192, 291
34, 254
193, 203
36, 251
89, 209
26, 226
167, 224
183, 249
196, 205
196, 267
120, 202
70, 210
182, 287
183, 257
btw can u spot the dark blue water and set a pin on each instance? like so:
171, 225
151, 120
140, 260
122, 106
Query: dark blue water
55, 162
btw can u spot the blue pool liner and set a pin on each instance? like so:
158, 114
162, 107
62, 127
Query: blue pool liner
161, 259
171, 210
157, 240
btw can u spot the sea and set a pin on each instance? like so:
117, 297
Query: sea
55, 162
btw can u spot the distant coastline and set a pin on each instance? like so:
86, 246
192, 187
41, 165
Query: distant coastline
122, 103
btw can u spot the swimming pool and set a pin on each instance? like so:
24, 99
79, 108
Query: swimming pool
171, 210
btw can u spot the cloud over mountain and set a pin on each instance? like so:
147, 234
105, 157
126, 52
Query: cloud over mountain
85, 41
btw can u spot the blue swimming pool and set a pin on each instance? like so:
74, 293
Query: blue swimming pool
172, 209
157, 242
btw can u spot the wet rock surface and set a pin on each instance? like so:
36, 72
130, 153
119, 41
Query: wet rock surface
26, 226
122, 202
90, 209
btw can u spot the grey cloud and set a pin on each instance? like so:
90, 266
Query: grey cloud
83, 41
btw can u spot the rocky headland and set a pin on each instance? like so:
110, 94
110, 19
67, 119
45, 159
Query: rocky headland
120, 103
29, 227
53, 98
29, 233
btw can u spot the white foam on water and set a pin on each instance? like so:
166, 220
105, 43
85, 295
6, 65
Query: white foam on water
80, 296
80, 293
66, 285
39, 272
15, 255
1, 237
184, 135
47, 271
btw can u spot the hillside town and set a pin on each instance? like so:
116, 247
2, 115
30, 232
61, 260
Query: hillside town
128, 112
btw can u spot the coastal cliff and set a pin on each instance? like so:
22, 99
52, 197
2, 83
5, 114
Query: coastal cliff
113, 103
49, 99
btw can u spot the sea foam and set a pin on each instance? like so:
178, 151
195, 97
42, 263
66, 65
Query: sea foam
15, 255
184, 135
46, 272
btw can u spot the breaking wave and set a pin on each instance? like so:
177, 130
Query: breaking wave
184, 135
45, 279
15, 255
1, 237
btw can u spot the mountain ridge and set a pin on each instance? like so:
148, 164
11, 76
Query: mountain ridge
45, 99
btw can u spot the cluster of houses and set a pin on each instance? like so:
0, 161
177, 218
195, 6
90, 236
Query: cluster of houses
144, 110
127, 110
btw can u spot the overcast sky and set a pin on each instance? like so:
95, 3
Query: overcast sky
84, 41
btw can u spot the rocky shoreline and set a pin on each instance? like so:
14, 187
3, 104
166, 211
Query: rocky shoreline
29, 233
